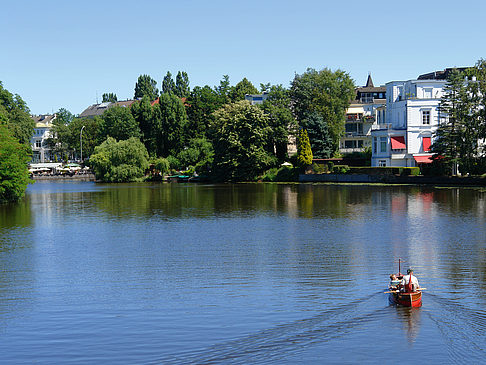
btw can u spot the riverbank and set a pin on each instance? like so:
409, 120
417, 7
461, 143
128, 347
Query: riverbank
394, 179
75, 177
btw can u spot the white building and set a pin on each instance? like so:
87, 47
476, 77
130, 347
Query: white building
40, 149
361, 117
411, 118
256, 98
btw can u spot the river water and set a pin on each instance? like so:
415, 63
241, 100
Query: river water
240, 274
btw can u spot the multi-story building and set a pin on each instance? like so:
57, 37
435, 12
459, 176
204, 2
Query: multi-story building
256, 98
40, 149
411, 118
362, 115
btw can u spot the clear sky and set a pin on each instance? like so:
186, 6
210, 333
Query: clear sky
65, 54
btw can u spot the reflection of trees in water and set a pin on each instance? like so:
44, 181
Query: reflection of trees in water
15, 214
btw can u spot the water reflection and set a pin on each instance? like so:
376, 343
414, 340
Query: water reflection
410, 318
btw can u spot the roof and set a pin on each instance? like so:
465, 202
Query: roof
440, 75
99, 109
369, 82
43, 120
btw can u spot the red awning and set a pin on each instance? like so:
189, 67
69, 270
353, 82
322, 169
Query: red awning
398, 143
423, 159
426, 144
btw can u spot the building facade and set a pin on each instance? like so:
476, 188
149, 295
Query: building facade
362, 116
410, 119
42, 131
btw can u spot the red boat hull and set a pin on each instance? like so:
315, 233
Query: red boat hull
413, 299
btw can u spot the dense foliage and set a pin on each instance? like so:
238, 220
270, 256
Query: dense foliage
121, 161
304, 151
14, 176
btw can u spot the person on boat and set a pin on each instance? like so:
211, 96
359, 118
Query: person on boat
409, 282
394, 281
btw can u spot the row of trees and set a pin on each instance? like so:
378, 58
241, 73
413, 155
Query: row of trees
212, 129
460, 138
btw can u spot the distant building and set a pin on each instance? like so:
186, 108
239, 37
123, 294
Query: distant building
98, 109
42, 131
411, 119
363, 114
256, 98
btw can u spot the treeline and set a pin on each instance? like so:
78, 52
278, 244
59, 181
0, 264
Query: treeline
211, 130
459, 146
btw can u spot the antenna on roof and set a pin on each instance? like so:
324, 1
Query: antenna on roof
97, 97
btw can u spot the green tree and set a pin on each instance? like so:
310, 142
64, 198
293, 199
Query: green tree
146, 86
110, 97
326, 92
168, 85
16, 115
182, 88
201, 103
304, 151
199, 153
240, 132
318, 133
14, 176
241, 89
148, 119
173, 117
282, 122
223, 89
120, 124
122, 161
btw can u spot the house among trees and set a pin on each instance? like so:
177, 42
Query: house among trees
363, 114
411, 119
98, 109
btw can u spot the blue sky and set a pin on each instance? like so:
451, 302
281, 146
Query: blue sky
66, 53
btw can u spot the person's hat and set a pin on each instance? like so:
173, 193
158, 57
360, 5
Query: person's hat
409, 270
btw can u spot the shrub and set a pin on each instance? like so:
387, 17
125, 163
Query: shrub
340, 169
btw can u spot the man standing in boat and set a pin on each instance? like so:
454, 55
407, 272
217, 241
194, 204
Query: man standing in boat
409, 282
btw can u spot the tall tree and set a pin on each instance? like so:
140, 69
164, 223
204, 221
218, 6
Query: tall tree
182, 88
146, 86
281, 120
110, 97
304, 150
148, 119
326, 92
240, 132
168, 85
16, 115
201, 103
318, 134
173, 118
223, 89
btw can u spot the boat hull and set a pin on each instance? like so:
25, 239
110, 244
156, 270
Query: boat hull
413, 299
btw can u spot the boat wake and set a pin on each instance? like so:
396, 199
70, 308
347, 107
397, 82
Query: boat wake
284, 340
461, 327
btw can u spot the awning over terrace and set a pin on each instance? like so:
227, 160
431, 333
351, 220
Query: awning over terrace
398, 143
423, 159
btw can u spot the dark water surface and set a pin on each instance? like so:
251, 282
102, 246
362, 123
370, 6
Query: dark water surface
243, 274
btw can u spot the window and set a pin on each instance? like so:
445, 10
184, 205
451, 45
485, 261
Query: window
38, 143
374, 144
428, 93
382, 163
425, 116
383, 144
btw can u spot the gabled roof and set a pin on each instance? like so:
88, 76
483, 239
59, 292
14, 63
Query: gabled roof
369, 82
43, 120
99, 109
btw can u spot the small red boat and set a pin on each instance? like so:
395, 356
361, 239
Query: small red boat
405, 296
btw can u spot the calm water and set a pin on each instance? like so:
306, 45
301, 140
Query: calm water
252, 273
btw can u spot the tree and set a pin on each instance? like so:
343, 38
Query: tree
122, 161
304, 151
241, 89
120, 124
318, 134
109, 97
148, 119
240, 132
182, 89
224, 89
14, 176
282, 122
173, 117
326, 92
168, 85
16, 115
146, 86
201, 103
199, 153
